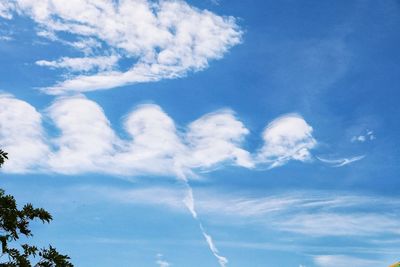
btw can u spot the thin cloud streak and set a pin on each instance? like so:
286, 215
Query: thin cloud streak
223, 261
305, 213
342, 161
344, 261
189, 202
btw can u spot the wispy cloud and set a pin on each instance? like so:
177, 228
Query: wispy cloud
223, 261
163, 39
340, 224
309, 213
304, 215
190, 205
85, 64
342, 161
344, 261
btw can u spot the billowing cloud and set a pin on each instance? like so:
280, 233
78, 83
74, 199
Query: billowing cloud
163, 39
217, 137
84, 140
286, 138
21, 135
155, 146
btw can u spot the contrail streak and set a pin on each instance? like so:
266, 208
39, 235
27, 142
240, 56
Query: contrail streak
189, 203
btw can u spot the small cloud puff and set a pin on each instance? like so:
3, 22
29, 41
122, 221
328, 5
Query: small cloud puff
161, 262
368, 136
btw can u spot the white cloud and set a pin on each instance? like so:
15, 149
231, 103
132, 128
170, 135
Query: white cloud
341, 162
21, 135
164, 39
287, 138
155, 146
217, 137
86, 142
344, 261
161, 262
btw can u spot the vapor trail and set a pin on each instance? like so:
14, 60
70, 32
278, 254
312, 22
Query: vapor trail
190, 205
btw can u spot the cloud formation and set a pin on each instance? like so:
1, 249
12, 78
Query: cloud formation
22, 135
287, 138
217, 137
86, 142
162, 39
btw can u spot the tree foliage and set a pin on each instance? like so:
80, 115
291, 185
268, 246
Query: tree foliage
14, 223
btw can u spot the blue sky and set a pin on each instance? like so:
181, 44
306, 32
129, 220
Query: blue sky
205, 133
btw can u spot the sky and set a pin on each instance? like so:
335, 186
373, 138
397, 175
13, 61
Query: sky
205, 133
